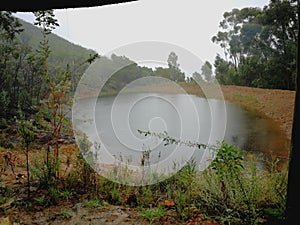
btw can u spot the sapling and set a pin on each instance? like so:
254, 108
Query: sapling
26, 130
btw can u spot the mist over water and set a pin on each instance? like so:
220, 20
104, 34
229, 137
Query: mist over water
183, 117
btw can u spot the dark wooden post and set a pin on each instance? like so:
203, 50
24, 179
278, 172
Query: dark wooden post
293, 188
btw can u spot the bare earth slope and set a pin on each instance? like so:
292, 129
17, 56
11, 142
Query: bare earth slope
275, 104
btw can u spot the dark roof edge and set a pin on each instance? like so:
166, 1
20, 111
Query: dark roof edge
30, 5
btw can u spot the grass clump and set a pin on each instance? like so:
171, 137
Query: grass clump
153, 214
237, 192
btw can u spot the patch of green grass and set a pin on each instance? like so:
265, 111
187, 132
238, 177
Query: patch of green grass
54, 194
110, 92
92, 203
244, 98
2, 148
153, 214
65, 194
40, 200
65, 213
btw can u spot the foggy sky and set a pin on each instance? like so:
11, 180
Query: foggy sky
189, 24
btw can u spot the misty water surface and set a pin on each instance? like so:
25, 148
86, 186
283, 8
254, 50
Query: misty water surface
184, 117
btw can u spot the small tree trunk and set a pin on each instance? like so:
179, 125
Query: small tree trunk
28, 172
57, 153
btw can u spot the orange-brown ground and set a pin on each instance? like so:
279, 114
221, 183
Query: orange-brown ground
276, 104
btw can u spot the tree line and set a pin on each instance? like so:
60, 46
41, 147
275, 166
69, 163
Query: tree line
259, 46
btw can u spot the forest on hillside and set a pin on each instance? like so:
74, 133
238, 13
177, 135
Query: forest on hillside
28, 52
22, 64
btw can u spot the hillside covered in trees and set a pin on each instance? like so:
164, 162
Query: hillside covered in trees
63, 52
22, 64
23, 49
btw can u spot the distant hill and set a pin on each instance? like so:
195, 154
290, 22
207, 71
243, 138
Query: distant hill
63, 52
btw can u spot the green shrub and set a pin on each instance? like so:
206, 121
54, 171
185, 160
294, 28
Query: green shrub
236, 192
45, 172
54, 195
153, 214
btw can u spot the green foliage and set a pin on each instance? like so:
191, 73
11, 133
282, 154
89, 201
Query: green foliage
62, 214
146, 196
228, 161
42, 116
243, 98
65, 213
65, 194
4, 102
259, 46
3, 190
26, 129
54, 194
41, 200
62, 51
45, 171
241, 197
153, 214
82, 176
92, 203
197, 77
233, 189
9, 25
172, 61
172, 73
206, 71
170, 140
126, 71
22, 62
46, 20
10, 54
84, 144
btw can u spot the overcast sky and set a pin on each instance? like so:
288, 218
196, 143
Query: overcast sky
189, 24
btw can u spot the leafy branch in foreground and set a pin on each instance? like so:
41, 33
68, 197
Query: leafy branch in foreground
170, 140
228, 160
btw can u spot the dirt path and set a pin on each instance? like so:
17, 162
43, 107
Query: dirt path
78, 215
